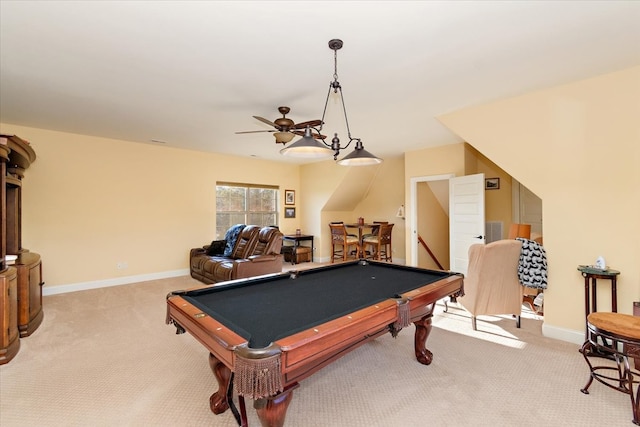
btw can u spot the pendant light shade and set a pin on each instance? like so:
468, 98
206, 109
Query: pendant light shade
307, 147
359, 157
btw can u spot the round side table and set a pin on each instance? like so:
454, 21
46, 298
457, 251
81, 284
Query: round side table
613, 336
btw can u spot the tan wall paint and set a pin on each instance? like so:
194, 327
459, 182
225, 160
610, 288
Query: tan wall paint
321, 181
89, 203
318, 182
446, 159
382, 201
498, 205
433, 227
576, 146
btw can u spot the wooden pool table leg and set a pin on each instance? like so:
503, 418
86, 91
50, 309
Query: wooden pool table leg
218, 400
423, 329
272, 410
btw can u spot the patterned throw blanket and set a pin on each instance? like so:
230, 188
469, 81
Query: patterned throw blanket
532, 269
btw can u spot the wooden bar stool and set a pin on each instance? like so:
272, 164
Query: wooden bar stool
341, 243
380, 243
612, 336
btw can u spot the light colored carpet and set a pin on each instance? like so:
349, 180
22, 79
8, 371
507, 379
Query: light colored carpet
105, 357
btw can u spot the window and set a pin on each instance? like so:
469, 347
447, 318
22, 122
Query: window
245, 204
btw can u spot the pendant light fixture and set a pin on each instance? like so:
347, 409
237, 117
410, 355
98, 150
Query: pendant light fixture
309, 147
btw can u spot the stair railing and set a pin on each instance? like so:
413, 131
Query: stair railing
424, 245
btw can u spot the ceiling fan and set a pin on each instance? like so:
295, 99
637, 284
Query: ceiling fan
285, 128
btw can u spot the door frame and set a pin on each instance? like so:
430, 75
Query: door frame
413, 202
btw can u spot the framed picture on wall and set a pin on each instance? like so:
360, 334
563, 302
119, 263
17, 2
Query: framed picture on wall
491, 183
289, 212
289, 197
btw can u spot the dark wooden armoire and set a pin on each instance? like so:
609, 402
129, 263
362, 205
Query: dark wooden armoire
20, 270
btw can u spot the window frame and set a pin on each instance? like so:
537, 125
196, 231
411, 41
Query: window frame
245, 215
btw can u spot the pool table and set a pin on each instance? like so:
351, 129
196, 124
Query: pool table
266, 334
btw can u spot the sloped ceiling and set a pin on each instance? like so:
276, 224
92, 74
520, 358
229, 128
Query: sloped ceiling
440, 190
353, 189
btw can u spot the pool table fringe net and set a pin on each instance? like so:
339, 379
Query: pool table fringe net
258, 378
404, 316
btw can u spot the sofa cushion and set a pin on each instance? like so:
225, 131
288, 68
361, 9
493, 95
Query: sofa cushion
231, 237
246, 242
269, 241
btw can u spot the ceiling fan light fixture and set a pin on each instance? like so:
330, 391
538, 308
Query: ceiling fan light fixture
307, 147
283, 137
359, 157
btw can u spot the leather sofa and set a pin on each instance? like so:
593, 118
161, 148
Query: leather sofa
255, 251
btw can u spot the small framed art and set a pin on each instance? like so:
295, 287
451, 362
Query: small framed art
289, 197
289, 212
491, 183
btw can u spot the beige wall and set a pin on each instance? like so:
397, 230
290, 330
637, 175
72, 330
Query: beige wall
498, 205
381, 203
433, 228
90, 203
447, 159
318, 182
336, 193
577, 147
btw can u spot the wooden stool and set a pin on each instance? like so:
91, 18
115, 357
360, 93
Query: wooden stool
610, 335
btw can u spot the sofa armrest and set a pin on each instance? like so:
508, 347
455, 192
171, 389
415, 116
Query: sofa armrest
197, 251
263, 258
257, 265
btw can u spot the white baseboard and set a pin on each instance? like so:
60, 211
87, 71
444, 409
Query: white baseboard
83, 286
569, 335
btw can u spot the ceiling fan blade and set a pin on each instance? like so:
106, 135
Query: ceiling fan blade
310, 123
263, 120
256, 131
313, 134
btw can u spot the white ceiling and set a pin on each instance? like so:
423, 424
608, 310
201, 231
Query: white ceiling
193, 73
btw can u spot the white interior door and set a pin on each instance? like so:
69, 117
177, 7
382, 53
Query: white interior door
466, 218
413, 228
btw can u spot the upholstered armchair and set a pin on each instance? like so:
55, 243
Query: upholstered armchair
491, 285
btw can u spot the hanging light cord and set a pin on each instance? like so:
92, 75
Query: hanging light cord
335, 85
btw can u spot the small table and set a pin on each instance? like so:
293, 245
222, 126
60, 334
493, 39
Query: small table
612, 336
591, 274
296, 239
